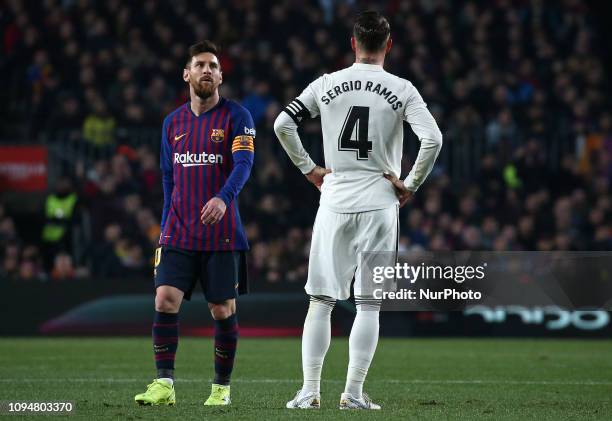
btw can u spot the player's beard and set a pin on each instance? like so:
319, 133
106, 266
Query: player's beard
204, 90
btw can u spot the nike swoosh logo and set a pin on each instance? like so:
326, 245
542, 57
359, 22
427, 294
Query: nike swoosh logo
220, 353
177, 138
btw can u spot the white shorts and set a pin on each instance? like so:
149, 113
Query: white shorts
337, 241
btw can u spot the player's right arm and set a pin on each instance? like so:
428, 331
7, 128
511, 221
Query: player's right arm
165, 164
285, 127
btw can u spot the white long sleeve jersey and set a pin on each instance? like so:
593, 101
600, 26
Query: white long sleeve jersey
362, 111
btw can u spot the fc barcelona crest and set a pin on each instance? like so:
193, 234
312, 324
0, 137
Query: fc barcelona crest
217, 135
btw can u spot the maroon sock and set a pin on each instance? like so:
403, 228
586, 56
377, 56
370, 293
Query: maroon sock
226, 339
165, 342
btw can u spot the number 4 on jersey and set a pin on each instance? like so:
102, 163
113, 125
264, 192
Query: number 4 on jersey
356, 122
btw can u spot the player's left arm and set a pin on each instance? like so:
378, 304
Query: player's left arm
424, 126
243, 151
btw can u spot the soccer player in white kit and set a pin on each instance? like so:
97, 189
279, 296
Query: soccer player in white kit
362, 111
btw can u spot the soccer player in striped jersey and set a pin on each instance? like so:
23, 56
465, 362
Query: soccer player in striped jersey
207, 148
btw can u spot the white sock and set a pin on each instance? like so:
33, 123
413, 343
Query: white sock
362, 345
167, 380
315, 341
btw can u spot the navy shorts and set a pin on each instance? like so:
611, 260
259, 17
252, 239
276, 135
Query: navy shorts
222, 274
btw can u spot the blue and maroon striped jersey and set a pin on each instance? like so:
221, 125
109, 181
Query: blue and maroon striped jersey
203, 157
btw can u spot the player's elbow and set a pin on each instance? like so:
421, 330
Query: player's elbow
278, 125
437, 137
282, 125
245, 166
167, 177
434, 138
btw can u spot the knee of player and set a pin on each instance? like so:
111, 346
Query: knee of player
166, 304
221, 311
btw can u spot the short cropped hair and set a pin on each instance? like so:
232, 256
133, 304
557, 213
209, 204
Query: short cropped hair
205, 46
371, 30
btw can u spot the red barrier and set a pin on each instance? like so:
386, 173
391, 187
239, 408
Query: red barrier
23, 168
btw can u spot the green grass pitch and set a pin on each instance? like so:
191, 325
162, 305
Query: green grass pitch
420, 379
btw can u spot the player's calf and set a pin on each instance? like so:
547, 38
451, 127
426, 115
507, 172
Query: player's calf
225, 344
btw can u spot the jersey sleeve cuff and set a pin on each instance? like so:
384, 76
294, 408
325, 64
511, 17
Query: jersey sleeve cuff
308, 166
225, 197
410, 186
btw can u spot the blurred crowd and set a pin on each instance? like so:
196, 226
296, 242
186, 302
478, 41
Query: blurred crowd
514, 77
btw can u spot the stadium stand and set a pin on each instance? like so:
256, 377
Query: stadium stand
518, 89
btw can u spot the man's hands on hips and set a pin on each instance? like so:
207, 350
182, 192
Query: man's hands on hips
402, 193
213, 211
316, 176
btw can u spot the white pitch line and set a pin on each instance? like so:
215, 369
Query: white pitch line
297, 381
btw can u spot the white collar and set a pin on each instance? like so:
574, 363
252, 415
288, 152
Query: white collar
370, 67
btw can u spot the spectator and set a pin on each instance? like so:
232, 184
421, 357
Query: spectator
66, 121
99, 125
62, 267
60, 213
